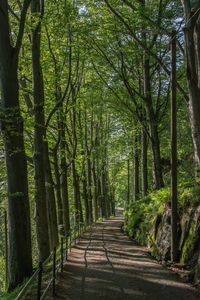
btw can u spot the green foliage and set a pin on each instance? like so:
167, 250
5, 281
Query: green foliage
189, 196
2, 274
140, 215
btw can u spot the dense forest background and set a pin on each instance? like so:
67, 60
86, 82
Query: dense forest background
85, 115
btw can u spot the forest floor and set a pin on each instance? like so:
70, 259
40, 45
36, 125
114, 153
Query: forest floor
107, 265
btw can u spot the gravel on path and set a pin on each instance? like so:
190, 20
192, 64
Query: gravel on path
107, 265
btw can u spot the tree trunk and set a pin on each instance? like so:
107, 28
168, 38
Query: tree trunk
75, 192
174, 212
135, 169
80, 211
85, 196
41, 216
19, 233
64, 180
128, 181
95, 195
51, 202
58, 193
192, 55
153, 130
144, 168
103, 194
89, 185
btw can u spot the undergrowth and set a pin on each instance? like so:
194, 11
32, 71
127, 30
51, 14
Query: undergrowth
140, 215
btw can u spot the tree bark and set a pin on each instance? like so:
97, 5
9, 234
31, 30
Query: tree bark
153, 130
89, 185
41, 215
144, 168
58, 192
51, 201
64, 180
85, 195
95, 195
174, 212
19, 232
128, 181
135, 169
75, 193
192, 56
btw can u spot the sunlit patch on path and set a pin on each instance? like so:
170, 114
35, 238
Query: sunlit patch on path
107, 265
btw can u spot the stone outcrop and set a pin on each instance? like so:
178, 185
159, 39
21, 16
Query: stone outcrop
158, 238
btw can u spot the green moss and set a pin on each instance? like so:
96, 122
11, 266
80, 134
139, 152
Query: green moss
156, 226
154, 252
189, 244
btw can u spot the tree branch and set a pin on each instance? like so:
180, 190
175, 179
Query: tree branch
153, 55
22, 24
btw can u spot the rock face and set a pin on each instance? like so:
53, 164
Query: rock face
159, 238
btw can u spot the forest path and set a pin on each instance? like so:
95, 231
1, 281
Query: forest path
107, 265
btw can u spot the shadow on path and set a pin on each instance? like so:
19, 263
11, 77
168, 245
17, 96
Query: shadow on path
107, 265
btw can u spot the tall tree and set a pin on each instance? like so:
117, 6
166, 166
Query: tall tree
174, 204
20, 260
192, 56
41, 218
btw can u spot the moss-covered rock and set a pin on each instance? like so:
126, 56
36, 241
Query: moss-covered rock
150, 224
189, 245
185, 226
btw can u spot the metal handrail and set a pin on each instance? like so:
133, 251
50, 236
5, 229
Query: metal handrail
39, 270
27, 284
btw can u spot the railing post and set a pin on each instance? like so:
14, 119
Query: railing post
79, 232
54, 272
61, 255
39, 281
70, 240
75, 234
66, 246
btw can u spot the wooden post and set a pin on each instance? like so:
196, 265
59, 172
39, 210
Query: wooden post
174, 215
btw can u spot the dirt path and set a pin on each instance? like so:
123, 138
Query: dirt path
107, 265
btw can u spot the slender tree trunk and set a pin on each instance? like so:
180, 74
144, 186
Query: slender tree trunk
155, 142
41, 216
174, 213
19, 232
64, 180
80, 211
95, 195
75, 192
103, 194
113, 201
135, 169
85, 195
108, 197
144, 168
99, 197
89, 174
58, 193
51, 202
89, 185
128, 181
